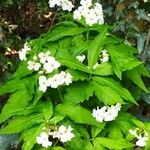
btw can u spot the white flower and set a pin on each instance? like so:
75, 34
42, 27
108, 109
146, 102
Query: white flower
77, 15
53, 82
99, 114
23, 52
44, 57
104, 57
43, 139
43, 83
96, 65
53, 3
33, 65
66, 5
86, 3
106, 113
81, 58
35, 58
51, 65
68, 78
141, 143
65, 133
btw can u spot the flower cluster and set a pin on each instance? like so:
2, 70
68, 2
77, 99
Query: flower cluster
140, 135
65, 4
43, 140
55, 81
64, 134
106, 113
92, 13
104, 56
23, 52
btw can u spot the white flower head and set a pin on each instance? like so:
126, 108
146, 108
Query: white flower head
43, 140
33, 65
66, 5
104, 56
43, 83
44, 56
65, 133
81, 58
86, 3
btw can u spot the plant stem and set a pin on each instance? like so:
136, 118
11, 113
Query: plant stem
87, 34
59, 91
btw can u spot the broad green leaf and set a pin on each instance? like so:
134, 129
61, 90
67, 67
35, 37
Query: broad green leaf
58, 148
16, 103
21, 123
106, 94
29, 136
77, 113
112, 143
116, 86
78, 92
65, 58
10, 88
104, 69
135, 75
88, 145
78, 75
47, 110
22, 71
63, 31
56, 119
96, 130
97, 145
121, 60
96, 47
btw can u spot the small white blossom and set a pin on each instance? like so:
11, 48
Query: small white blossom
67, 78
86, 3
81, 58
64, 134
104, 57
35, 58
106, 113
33, 65
23, 52
77, 15
43, 140
140, 135
43, 83
95, 66
44, 57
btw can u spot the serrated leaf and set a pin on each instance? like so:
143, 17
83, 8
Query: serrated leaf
77, 75
10, 88
47, 110
77, 113
21, 123
17, 102
113, 143
121, 60
104, 69
29, 136
107, 95
96, 47
78, 92
59, 32
135, 75
116, 86
65, 58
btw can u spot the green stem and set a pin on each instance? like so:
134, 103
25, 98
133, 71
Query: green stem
87, 34
59, 91
56, 143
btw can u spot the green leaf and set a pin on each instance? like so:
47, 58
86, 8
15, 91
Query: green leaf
22, 71
77, 113
97, 145
21, 123
78, 92
116, 86
96, 130
77, 75
59, 32
66, 59
135, 75
104, 69
10, 88
16, 103
106, 94
88, 145
56, 119
29, 136
47, 110
58, 148
96, 47
113, 143
121, 60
